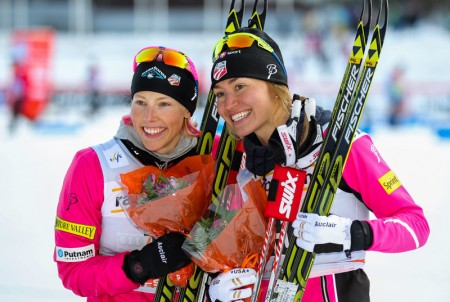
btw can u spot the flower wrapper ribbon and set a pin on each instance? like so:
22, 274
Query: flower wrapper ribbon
236, 233
169, 200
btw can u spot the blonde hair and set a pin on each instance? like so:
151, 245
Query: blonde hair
283, 95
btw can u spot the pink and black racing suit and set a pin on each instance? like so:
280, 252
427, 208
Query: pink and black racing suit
369, 191
92, 233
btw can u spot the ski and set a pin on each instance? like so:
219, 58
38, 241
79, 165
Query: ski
294, 272
225, 153
230, 152
258, 19
354, 63
166, 290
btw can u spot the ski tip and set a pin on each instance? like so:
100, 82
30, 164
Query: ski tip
234, 17
257, 20
383, 15
366, 14
382, 19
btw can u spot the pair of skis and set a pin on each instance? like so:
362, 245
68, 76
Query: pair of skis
228, 161
293, 274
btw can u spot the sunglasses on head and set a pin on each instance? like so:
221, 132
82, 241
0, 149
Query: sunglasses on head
243, 40
168, 56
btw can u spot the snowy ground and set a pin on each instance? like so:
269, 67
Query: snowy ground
34, 162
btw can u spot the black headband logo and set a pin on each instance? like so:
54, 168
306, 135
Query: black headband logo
153, 73
272, 69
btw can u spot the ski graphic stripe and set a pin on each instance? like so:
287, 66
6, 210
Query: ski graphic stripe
166, 292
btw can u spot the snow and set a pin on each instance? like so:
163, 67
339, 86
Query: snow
34, 162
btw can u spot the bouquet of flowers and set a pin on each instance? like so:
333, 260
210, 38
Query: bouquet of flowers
169, 200
234, 233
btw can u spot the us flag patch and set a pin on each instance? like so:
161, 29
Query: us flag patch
174, 80
220, 70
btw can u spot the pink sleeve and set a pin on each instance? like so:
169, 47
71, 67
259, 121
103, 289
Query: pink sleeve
400, 224
80, 203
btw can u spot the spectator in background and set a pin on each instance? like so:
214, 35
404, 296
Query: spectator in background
315, 34
93, 86
396, 94
16, 93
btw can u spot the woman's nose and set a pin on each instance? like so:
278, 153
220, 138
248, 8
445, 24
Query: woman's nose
150, 113
230, 101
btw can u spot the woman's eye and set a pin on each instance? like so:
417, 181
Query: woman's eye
239, 86
218, 94
139, 102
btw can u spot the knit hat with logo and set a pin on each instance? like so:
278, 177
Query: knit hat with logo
250, 62
169, 80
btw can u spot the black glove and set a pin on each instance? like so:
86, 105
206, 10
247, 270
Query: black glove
158, 258
362, 235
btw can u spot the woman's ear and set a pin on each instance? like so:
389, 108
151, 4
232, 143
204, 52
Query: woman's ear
187, 114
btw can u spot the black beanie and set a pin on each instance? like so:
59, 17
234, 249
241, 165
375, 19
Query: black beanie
169, 80
252, 62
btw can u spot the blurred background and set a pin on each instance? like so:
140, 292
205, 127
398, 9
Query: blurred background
65, 72
78, 53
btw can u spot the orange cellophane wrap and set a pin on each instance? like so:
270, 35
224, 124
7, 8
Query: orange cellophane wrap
242, 237
176, 212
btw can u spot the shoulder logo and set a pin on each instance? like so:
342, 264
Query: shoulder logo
375, 151
390, 182
78, 254
115, 157
83, 230
71, 199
